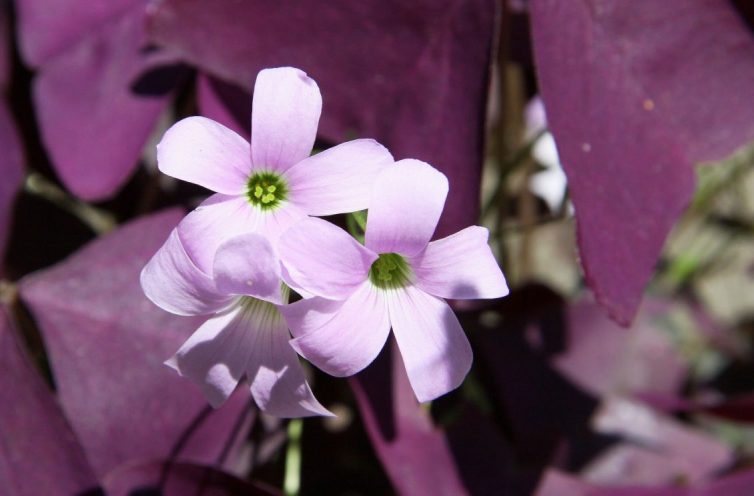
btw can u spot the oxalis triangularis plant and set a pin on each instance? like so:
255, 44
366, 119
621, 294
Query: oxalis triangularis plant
237, 258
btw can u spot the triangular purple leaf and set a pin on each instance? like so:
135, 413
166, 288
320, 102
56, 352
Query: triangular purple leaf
411, 75
413, 451
39, 453
94, 115
107, 344
636, 93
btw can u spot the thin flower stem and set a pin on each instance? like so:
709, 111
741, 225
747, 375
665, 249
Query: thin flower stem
181, 443
96, 219
292, 480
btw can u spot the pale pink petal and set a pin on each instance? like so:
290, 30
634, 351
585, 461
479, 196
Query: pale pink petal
220, 218
406, 204
435, 350
275, 222
216, 220
176, 285
284, 117
460, 266
340, 338
278, 384
339, 179
324, 259
204, 152
216, 355
248, 265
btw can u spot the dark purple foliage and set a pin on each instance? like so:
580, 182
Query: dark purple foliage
411, 75
107, 344
412, 449
11, 158
99, 88
558, 484
39, 453
178, 479
636, 93
604, 358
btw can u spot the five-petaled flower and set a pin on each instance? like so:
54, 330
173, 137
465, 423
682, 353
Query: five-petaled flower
397, 279
268, 184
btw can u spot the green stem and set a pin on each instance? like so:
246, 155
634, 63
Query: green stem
292, 480
99, 221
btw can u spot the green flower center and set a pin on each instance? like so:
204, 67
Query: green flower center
390, 271
266, 190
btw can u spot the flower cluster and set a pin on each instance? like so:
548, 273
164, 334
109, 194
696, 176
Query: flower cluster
237, 256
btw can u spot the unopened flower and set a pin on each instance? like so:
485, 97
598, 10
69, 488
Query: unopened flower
266, 185
398, 279
245, 334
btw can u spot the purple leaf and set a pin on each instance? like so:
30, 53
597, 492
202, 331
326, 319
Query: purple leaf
11, 160
622, 82
39, 453
225, 103
505, 353
99, 90
178, 479
411, 75
413, 451
107, 344
604, 358
689, 453
556, 483
49, 27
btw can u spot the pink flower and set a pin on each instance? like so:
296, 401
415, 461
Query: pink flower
267, 185
398, 279
245, 335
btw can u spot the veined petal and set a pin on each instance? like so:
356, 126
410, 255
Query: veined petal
323, 259
275, 222
460, 266
278, 384
248, 265
340, 338
284, 118
216, 220
339, 179
435, 350
216, 355
175, 284
204, 152
406, 204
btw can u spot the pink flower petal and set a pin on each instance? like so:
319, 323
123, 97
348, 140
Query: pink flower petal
433, 345
247, 265
276, 222
175, 284
220, 218
340, 338
406, 204
339, 179
323, 259
460, 266
278, 384
216, 220
216, 355
203, 152
284, 118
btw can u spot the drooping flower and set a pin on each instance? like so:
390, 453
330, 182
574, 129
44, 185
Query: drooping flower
245, 334
551, 183
397, 279
266, 185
